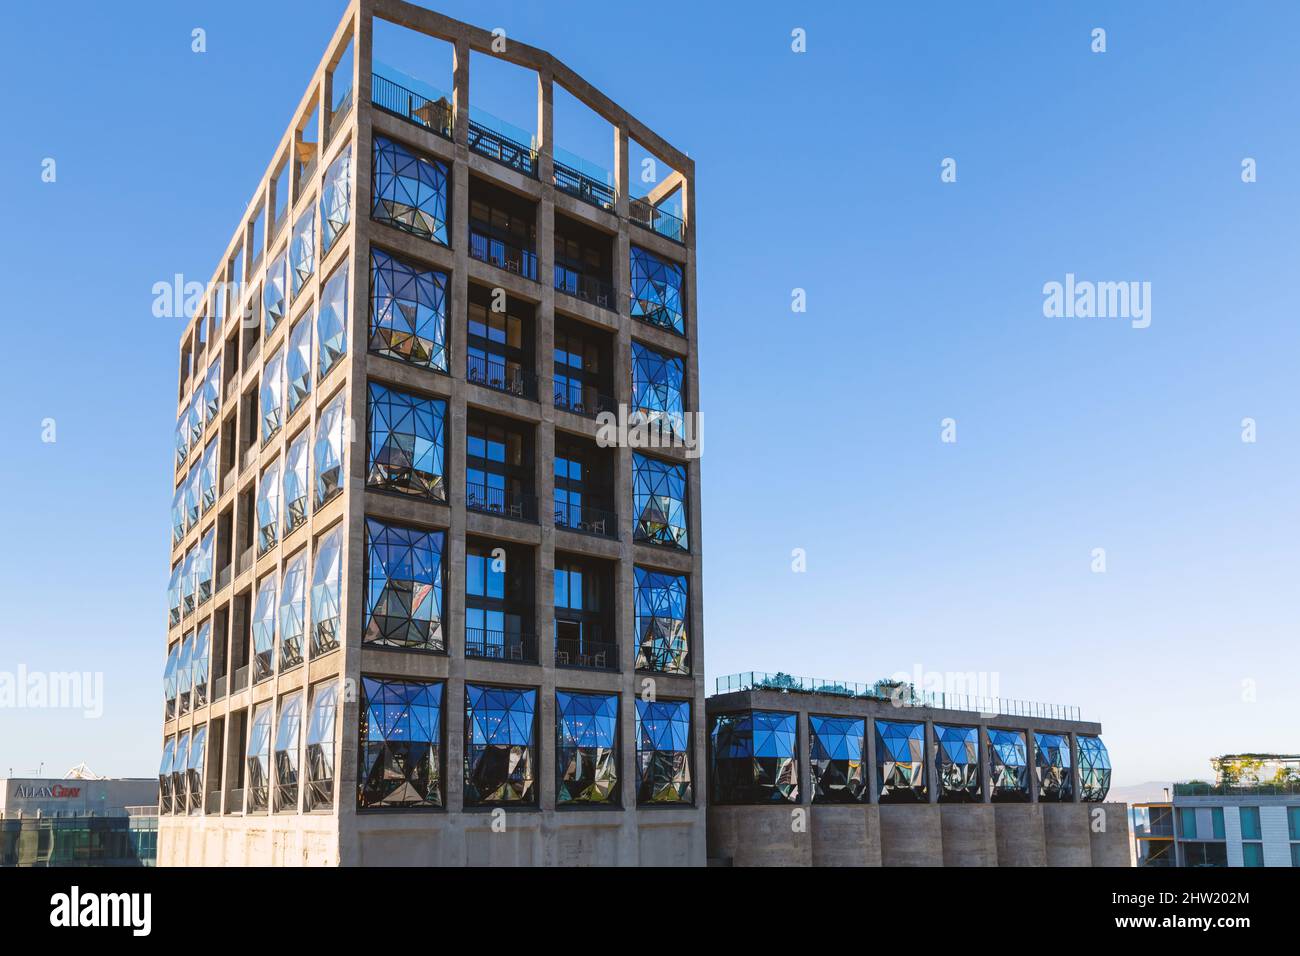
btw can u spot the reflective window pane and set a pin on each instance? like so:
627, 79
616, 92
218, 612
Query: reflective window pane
500, 745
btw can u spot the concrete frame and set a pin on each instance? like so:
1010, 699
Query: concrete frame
629, 835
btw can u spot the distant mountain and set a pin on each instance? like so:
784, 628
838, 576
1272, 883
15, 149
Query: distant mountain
1153, 791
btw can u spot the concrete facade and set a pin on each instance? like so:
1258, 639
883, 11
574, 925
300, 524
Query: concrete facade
220, 832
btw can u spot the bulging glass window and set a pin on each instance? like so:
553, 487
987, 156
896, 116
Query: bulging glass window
195, 418
657, 295
900, 762
298, 365
194, 768
182, 438
193, 495
189, 580
287, 754
330, 449
957, 763
336, 200
1052, 764
293, 612
663, 754
257, 761
272, 396
500, 745
178, 512
400, 731
174, 595
1008, 766
659, 502
837, 751
208, 477
658, 388
212, 393
302, 251
180, 764
275, 293
332, 323
660, 605
184, 674
755, 758
404, 586
264, 630
203, 567
165, 775
409, 191
295, 483
268, 509
406, 443
326, 587
1094, 769
408, 312
318, 794
199, 663
169, 681
586, 748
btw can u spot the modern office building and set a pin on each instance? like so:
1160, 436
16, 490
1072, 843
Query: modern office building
422, 609
1248, 816
828, 773
1153, 834
76, 820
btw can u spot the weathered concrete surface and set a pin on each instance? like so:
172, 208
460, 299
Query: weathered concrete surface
969, 834
1065, 834
1109, 834
758, 836
910, 835
1020, 835
847, 835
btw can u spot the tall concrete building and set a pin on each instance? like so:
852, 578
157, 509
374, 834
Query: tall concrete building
428, 605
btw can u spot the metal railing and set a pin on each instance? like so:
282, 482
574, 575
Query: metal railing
587, 520
587, 401
582, 286
1202, 788
594, 655
433, 115
585, 188
502, 254
502, 149
898, 693
500, 501
656, 220
500, 645
491, 372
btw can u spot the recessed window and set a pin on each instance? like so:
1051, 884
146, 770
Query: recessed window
660, 602
332, 323
500, 746
302, 251
755, 758
1052, 764
900, 762
272, 396
659, 502
329, 450
293, 613
663, 752
275, 293
264, 630
319, 791
336, 200
957, 763
287, 753
268, 509
837, 752
400, 727
586, 749
326, 590
257, 761
298, 365
296, 483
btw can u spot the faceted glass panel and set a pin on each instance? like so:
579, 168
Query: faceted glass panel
295, 483
837, 750
659, 501
406, 443
275, 293
408, 312
257, 761
272, 396
268, 509
657, 290
755, 758
199, 664
660, 603
178, 513
332, 322
287, 753
400, 759
264, 630
184, 674
194, 768
336, 200
298, 365
657, 388
319, 791
165, 774
500, 745
174, 595
195, 418
208, 477
180, 763
182, 438
956, 763
586, 748
1008, 766
293, 612
189, 581
900, 762
193, 494
403, 586
169, 680
330, 449
326, 587
1052, 764
203, 567
1094, 769
663, 751
302, 250
212, 393
409, 191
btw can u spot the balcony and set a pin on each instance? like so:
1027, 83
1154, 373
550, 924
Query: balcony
245, 560
500, 646
657, 220
587, 520
502, 149
593, 655
234, 801
569, 180
339, 116
500, 501
223, 577
502, 254
249, 457
219, 687
588, 288
240, 679
434, 115
588, 403
495, 374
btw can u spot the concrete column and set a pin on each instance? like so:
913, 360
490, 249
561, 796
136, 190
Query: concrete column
460, 96
545, 127
1031, 757
1076, 779
873, 787
986, 777
804, 742
621, 175
931, 777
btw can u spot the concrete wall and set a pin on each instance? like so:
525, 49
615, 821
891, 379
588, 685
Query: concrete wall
1065, 832
911, 835
1018, 830
758, 836
969, 835
845, 835
1108, 834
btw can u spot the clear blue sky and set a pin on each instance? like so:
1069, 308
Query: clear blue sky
818, 171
